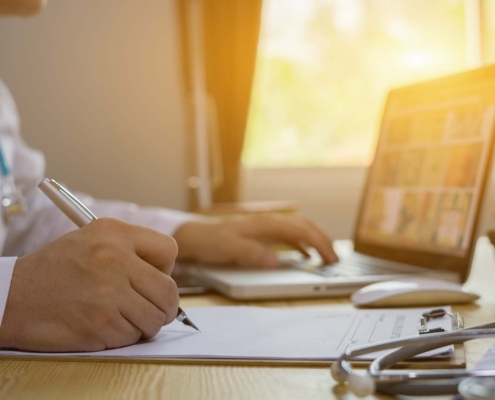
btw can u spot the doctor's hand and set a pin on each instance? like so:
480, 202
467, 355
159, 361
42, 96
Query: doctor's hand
102, 286
244, 240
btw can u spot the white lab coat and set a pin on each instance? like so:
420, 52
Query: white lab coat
44, 222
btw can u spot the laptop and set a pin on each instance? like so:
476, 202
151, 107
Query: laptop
420, 204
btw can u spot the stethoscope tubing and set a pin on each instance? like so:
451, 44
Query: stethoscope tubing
413, 382
387, 360
4, 169
464, 334
417, 383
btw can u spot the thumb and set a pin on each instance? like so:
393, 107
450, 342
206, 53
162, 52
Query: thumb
253, 253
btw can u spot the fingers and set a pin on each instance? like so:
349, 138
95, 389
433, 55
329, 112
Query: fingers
302, 249
149, 296
318, 235
154, 247
123, 333
156, 287
323, 234
143, 314
246, 251
105, 326
296, 232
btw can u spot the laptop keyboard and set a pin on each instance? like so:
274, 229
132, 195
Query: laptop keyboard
353, 265
350, 269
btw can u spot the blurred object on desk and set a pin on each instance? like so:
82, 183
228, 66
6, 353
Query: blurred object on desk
247, 208
186, 282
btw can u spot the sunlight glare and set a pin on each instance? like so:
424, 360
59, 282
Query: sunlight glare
418, 59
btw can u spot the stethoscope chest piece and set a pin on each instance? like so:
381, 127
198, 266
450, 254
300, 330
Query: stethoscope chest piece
12, 200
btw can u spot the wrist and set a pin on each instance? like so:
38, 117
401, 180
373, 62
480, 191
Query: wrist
186, 240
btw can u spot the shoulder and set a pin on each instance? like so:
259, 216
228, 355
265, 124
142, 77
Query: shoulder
9, 118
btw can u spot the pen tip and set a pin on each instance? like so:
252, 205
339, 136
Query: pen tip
187, 321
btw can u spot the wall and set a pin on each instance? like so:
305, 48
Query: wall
332, 196
98, 86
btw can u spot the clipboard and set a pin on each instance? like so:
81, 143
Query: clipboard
457, 360
306, 340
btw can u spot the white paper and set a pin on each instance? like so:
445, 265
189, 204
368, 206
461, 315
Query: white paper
274, 333
487, 361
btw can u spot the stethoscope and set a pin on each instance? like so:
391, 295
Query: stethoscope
414, 382
12, 200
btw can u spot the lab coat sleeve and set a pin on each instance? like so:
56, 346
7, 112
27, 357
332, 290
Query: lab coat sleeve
6, 271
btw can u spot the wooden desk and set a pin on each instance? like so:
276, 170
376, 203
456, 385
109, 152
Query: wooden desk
77, 380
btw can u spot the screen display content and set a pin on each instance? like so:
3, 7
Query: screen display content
427, 176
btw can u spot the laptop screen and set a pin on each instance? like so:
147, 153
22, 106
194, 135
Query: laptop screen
426, 183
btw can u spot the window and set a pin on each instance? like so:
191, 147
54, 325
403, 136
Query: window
488, 31
324, 68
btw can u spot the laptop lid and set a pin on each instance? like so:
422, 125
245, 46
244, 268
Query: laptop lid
425, 187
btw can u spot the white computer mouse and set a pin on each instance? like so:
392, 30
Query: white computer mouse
412, 292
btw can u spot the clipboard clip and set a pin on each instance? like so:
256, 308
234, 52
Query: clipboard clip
457, 321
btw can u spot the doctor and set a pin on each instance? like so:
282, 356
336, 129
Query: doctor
108, 284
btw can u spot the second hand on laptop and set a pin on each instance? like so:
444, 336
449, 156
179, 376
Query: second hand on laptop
71, 206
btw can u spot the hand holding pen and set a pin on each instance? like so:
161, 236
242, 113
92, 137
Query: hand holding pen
103, 286
81, 216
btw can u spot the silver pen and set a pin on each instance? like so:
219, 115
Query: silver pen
71, 206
